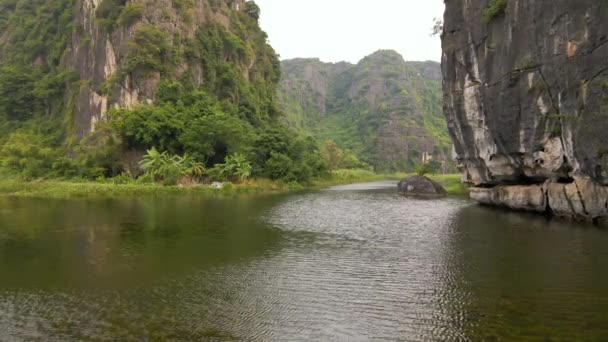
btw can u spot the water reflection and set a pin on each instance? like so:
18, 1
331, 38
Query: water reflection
123, 243
352, 263
521, 276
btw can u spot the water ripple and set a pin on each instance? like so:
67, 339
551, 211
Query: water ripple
352, 263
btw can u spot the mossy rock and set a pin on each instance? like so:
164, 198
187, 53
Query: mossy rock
420, 186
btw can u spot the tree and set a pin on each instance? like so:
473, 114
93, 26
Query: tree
212, 137
17, 99
332, 154
253, 10
432, 166
437, 27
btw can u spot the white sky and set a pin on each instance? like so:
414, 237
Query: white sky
348, 30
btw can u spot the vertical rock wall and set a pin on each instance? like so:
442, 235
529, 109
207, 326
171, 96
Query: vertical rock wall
526, 99
97, 55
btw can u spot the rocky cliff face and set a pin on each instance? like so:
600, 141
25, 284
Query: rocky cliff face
526, 99
385, 109
118, 52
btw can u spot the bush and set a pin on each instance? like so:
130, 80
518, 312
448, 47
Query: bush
252, 10
336, 158
170, 169
279, 166
148, 126
130, 14
31, 155
495, 9
108, 13
149, 51
425, 169
17, 99
236, 167
200, 129
214, 136
282, 154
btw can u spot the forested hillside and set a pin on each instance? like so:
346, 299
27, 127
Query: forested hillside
88, 86
386, 111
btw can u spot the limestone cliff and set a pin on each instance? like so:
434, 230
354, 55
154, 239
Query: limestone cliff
385, 109
117, 53
526, 99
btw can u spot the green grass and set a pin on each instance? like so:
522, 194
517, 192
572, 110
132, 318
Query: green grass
340, 177
64, 189
452, 184
91, 189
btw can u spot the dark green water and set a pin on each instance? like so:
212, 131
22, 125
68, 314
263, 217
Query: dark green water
352, 263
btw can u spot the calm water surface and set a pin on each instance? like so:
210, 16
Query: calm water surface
350, 263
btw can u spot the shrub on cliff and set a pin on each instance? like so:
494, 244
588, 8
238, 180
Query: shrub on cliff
130, 14
149, 51
253, 10
495, 9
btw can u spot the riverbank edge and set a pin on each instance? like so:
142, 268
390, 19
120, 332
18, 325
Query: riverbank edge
66, 189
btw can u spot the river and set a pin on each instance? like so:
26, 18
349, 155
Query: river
349, 263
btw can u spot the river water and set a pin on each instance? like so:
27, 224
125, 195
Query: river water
348, 263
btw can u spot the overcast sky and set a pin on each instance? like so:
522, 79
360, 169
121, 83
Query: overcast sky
348, 30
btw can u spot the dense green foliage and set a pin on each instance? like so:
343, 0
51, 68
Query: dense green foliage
171, 169
37, 149
108, 13
226, 56
112, 14
149, 51
32, 81
209, 121
200, 128
384, 111
236, 167
213, 106
337, 158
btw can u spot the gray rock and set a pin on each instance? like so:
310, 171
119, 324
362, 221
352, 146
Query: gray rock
525, 96
518, 197
583, 199
421, 186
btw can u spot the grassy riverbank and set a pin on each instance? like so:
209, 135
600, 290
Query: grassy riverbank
452, 184
112, 188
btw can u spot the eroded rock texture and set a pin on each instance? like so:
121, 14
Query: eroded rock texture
526, 99
97, 55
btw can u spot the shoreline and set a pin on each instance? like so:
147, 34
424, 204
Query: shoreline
68, 189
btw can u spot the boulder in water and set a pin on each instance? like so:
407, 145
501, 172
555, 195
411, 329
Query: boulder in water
422, 187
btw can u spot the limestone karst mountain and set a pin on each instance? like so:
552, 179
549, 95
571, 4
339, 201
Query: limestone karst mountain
388, 111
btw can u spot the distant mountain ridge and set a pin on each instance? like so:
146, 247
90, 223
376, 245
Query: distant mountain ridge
386, 110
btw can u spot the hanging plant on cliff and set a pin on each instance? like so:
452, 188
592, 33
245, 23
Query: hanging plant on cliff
150, 52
